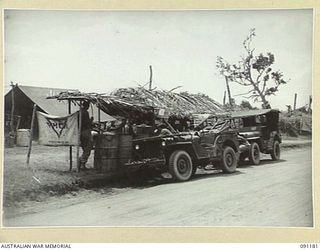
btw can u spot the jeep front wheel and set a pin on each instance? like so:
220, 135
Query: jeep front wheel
254, 154
275, 153
180, 165
229, 160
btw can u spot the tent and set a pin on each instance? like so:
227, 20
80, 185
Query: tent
26, 96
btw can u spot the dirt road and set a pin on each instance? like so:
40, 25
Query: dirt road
271, 194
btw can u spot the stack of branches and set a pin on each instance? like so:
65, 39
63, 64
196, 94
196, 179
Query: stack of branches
176, 104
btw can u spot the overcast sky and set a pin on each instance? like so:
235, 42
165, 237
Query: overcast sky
98, 51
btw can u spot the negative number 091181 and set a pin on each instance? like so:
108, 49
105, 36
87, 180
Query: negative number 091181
308, 245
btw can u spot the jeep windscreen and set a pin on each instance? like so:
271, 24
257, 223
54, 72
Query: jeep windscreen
219, 126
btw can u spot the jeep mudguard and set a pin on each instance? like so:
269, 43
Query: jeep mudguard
230, 143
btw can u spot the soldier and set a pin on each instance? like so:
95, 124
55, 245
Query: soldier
86, 141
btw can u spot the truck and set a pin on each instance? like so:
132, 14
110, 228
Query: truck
259, 128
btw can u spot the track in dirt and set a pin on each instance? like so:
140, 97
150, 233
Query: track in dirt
271, 194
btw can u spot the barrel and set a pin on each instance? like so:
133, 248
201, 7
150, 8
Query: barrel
23, 137
125, 148
111, 152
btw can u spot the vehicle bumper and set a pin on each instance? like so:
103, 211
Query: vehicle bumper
146, 163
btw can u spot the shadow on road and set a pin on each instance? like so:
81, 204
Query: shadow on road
149, 178
247, 164
141, 180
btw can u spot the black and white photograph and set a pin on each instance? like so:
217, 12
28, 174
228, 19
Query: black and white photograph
158, 118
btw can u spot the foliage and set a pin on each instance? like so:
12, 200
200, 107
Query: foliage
246, 105
254, 72
293, 124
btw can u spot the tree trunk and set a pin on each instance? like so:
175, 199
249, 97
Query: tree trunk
265, 103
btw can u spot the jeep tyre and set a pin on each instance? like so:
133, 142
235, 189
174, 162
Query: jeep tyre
254, 154
229, 160
180, 165
275, 152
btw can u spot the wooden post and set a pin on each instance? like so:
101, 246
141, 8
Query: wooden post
224, 98
31, 132
99, 120
12, 108
295, 102
229, 92
150, 81
309, 106
18, 123
70, 147
79, 134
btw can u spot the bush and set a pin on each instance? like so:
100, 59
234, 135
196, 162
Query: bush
295, 123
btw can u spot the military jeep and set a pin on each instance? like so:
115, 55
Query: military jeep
261, 129
182, 153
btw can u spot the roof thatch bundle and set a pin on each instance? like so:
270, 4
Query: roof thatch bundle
178, 104
129, 102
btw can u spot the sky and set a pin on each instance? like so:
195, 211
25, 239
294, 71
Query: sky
99, 51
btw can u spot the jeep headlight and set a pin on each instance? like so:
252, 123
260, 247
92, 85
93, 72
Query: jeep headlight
163, 143
137, 147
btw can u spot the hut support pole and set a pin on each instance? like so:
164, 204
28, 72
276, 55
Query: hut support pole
99, 120
31, 132
12, 108
70, 148
150, 80
79, 134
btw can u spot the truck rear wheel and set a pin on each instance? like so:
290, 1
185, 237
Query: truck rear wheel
180, 165
254, 153
275, 153
229, 160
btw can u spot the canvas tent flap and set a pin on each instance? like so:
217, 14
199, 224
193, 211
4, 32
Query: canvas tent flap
94, 112
243, 114
39, 94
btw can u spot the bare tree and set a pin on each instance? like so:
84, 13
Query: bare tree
253, 71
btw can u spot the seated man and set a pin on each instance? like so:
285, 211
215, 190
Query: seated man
163, 130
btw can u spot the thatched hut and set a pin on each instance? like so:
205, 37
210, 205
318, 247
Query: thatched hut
143, 106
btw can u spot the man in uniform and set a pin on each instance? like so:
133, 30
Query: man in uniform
86, 141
